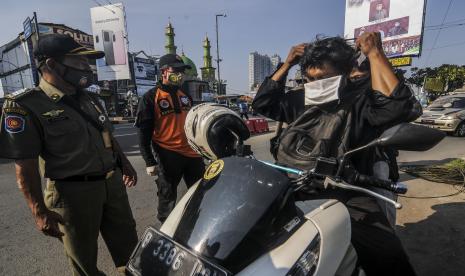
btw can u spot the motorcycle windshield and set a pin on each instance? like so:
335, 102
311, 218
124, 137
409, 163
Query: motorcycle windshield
227, 213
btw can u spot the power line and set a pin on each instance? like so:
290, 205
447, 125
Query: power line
447, 46
439, 32
447, 23
446, 27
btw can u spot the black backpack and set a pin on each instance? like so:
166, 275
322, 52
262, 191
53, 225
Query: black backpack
321, 131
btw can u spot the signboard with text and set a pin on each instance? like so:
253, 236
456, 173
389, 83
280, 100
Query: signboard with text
145, 74
81, 37
27, 27
401, 61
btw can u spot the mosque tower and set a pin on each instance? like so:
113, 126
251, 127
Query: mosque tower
208, 71
169, 34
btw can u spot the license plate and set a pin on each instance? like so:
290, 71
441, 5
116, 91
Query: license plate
427, 121
157, 254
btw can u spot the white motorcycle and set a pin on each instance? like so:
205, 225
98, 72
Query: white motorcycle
242, 219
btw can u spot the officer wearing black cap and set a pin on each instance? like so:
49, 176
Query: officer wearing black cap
160, 118
86, 171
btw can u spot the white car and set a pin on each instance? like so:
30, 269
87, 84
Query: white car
446, 113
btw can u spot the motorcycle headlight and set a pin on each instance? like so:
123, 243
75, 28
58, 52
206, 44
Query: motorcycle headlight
307, 263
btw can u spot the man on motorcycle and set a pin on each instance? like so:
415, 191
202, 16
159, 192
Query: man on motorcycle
342, 109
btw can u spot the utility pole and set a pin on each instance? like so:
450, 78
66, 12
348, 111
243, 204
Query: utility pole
218, 60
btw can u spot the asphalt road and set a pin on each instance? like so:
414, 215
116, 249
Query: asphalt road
25, 251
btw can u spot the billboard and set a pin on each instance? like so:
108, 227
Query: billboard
145, 74
399, 22
109, 32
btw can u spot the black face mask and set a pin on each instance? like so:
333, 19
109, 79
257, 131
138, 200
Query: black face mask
78, 78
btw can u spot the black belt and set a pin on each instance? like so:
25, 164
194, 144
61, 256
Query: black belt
83, 178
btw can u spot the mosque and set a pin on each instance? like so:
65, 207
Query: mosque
200, 88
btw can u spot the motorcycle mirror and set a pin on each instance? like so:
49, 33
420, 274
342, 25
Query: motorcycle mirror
410, 137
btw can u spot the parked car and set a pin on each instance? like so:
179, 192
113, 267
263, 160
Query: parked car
446, 113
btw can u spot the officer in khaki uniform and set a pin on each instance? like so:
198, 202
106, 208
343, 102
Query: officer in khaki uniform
86, 171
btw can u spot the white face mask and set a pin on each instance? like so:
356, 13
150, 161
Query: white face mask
322, 91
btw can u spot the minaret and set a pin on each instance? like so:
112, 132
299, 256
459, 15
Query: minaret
169, 33
208, 72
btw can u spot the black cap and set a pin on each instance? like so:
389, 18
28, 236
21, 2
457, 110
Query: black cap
172, 60
59, 45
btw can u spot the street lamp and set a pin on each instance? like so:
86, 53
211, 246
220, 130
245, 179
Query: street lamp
218, 60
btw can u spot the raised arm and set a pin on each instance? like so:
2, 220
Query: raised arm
271, 99
383, 78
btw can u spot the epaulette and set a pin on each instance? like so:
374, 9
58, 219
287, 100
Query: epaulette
19, 94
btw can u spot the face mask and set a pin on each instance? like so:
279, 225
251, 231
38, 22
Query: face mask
176, 79
323, 91
78, 78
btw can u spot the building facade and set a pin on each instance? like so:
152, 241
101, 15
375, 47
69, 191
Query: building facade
260, 66
275, 61
15, 67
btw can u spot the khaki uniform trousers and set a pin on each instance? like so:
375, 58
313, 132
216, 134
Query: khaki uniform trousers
89, 208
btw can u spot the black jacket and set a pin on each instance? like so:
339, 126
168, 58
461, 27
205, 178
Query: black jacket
371, 113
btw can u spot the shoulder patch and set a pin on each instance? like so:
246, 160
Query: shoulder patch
14, 123
19, 94
11, 106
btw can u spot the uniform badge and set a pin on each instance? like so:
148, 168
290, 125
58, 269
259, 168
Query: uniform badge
53, 113
55, 97
214, 169
185, 100
14, 124
164, 104
16, 110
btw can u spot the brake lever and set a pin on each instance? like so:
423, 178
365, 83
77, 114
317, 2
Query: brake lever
343, 185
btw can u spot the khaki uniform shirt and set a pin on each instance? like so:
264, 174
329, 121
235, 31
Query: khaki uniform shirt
37, 122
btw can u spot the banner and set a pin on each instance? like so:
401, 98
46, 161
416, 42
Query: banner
109, 32
399, 22
145, 74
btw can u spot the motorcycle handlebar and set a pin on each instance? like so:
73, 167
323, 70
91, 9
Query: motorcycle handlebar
399, 188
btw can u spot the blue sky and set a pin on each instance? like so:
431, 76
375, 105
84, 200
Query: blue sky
266, 26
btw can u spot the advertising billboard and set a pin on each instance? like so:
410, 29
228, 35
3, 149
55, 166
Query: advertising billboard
399, 22
109, 32
145, 74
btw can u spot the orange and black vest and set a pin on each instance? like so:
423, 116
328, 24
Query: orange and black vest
168, 131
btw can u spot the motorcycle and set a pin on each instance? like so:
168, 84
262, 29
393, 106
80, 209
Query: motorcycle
242, 218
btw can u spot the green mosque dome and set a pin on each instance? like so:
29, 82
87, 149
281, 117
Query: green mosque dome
189, 72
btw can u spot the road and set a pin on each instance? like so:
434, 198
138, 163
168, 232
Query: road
432, 230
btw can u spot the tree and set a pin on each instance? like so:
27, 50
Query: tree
418, 75
452, 75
